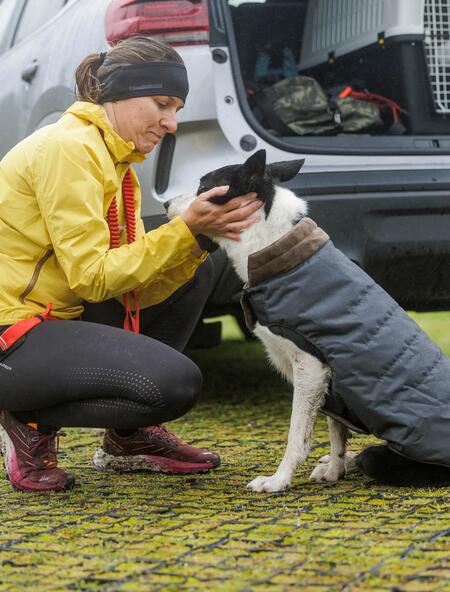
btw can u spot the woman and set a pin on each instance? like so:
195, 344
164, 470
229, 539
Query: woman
75, 260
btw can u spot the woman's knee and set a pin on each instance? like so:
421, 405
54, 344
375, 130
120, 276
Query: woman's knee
181, 388
187, 387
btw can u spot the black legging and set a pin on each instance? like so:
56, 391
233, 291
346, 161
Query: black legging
92, 373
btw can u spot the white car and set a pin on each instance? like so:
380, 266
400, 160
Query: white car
392, 187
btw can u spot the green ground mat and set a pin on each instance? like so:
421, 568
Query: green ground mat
208, 532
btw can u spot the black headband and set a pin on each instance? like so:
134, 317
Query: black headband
144, 80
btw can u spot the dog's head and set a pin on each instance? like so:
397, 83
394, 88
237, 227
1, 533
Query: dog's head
281, 207
252, 175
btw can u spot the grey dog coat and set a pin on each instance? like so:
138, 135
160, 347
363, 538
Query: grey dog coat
388, 378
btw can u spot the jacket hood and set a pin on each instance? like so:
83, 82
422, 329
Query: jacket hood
120, 150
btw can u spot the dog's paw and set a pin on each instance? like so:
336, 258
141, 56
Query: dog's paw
349, 460
327, 472
269, 484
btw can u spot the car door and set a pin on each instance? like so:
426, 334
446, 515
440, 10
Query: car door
22, 60
10, 11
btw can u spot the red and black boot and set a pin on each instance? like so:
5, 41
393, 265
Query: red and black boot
30, 457
152, 449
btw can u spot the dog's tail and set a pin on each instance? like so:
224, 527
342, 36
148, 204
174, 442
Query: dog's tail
388, 468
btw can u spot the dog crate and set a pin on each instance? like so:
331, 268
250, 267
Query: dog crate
401, 48
437, 51
334, 28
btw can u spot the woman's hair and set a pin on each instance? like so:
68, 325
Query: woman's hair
134, 50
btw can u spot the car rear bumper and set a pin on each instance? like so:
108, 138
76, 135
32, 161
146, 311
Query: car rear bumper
395, 225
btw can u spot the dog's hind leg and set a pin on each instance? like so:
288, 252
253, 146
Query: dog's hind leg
310, 379
338, 463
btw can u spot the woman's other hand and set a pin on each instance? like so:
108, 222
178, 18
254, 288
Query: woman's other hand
227, 220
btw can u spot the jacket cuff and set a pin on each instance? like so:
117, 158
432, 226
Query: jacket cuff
184, 229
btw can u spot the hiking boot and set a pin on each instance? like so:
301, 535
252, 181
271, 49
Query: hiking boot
152, 449
30, 457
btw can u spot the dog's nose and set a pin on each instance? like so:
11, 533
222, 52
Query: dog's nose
166, 205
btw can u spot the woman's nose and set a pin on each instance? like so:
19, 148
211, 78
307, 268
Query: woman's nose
170, 123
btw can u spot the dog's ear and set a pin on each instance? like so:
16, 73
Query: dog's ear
254, 167
285, 170
245, 177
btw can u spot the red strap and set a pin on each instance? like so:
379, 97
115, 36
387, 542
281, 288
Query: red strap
16, 331
131, 322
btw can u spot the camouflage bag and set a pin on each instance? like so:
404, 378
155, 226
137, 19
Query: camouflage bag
358, 115
297, 107
300, 107
361, 110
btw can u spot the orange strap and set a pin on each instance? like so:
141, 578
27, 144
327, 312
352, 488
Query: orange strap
131, 322
21, 328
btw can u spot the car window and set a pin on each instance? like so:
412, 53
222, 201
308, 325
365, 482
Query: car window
36, 13
6, 11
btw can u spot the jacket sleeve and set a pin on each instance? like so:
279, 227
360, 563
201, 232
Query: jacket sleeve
69, 189
163, 285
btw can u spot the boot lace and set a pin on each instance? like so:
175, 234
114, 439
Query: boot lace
161, 432
45, 447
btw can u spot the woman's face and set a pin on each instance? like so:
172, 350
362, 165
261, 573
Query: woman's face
144, 120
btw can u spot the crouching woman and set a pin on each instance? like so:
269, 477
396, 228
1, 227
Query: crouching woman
94, 311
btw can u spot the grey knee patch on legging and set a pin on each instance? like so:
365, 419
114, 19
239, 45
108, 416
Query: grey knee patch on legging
114, 381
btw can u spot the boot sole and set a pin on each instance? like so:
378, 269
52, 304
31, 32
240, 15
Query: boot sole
102, 461
70, 483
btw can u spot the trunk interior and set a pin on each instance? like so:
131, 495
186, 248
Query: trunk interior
273, 42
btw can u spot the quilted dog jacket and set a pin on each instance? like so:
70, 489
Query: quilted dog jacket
388, 378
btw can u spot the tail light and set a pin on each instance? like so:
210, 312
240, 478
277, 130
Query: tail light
178, 22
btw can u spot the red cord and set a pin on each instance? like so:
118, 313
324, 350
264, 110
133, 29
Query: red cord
378, 100
113, 223
131, 322
128, 202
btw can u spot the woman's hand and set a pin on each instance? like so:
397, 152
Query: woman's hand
228, 220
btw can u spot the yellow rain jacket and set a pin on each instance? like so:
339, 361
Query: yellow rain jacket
55, 190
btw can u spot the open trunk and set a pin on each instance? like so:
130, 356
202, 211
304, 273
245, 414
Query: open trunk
399, 49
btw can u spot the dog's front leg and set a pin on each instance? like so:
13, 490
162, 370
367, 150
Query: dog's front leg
334, 466
310, 378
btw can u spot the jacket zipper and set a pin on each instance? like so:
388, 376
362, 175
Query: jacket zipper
35, 276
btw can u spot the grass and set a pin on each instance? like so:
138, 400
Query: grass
208, 532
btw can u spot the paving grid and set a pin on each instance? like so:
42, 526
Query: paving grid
208, 532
